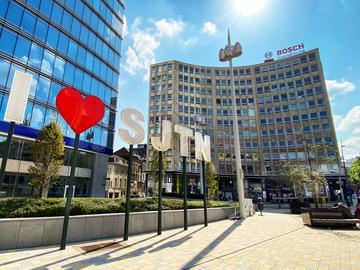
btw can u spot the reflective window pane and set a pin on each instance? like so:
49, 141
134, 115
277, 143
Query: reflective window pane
22, 49
7, 41
3, 8
66, 21
54, 90
28, 22
43, 88
50, 116
3, 104
41, 30
48, 62
56, 13
78, 80
46, 7
72, 50
69, 74
59, 68
14, 13
27, 116
4, 71
36, 54
52, 37
63, 43
37, 117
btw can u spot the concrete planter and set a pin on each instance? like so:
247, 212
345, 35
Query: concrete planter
44, 231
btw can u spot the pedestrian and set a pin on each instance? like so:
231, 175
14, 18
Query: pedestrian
357, 210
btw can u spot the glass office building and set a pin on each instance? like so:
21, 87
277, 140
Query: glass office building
283, 113
62, 43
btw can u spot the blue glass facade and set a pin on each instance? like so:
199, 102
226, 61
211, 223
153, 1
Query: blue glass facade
62, 43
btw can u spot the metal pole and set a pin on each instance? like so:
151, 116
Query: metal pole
205, 195
69, 193
6, 152
345, 171
239, 172
128, 190
160, 191
185, 192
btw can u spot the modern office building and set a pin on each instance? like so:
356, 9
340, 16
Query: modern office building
283, 109
68, 43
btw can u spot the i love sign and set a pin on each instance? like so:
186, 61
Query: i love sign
80, 113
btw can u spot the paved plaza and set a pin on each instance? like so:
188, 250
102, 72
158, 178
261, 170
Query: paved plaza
276, 240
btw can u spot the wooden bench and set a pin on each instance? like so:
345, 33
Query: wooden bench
326, 217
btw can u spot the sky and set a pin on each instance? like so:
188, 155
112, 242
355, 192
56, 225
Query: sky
194, 31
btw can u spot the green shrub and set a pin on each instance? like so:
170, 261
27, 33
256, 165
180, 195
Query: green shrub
20, 207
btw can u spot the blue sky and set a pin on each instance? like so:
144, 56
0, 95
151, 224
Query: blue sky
194, 31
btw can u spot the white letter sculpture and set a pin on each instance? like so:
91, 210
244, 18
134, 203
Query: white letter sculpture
202, 147
185, 134
163, 144
18, 97
126, 118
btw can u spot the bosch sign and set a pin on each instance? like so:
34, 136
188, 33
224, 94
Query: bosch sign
290, 49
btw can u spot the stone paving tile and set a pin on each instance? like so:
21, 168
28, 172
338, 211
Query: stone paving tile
272, 241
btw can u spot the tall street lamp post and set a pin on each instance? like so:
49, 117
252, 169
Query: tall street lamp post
228, 54
200, 121
345, 171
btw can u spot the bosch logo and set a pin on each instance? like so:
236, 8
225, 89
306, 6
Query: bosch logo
268, 55
290, 49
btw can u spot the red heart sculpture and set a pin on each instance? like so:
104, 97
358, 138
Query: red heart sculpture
78, 112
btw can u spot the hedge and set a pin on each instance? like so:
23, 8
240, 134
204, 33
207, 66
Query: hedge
23, 207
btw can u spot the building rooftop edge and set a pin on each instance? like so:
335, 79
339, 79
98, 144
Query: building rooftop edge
253, 65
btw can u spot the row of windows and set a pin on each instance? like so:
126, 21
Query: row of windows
295, 118
241, 71
293, 155
55, 12
23, 49
45, 90
56, 39
291, 107
268, 88
288, 74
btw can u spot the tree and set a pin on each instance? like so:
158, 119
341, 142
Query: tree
314, 180
48, 152
154, 168
354, 172
281, 177
211, 180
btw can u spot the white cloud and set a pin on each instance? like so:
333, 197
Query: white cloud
351, 120
338, 88
190, 41
125, 28
337, 119
169, 27
352, 147
356, 131
209, 28
141, 53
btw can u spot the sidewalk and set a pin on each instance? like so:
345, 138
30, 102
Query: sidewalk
276, 240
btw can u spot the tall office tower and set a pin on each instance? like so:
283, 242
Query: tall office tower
68, 43
283, 109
